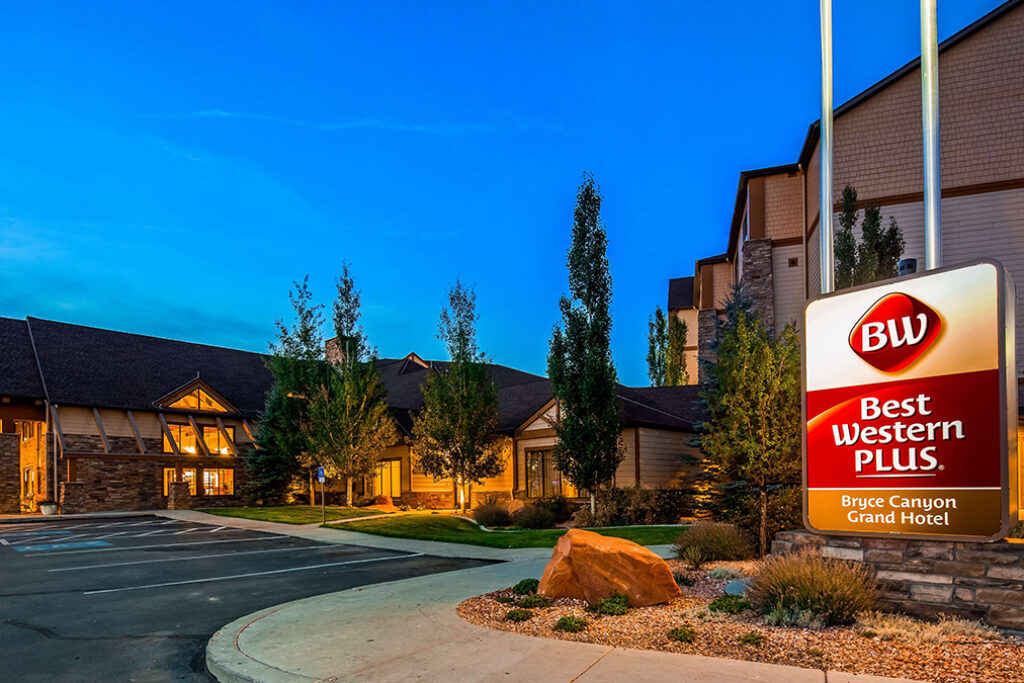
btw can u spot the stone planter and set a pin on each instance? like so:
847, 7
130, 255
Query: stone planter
50, 509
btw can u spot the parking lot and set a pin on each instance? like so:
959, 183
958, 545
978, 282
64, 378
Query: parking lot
136, 598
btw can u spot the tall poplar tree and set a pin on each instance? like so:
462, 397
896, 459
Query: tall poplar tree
657, 348
580, 365
349, 424
295, 362
453, 433
876, 256
676, 374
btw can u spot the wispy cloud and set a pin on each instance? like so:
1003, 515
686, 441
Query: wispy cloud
436, 128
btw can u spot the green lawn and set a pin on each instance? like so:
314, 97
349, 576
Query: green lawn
455, 530
292, 514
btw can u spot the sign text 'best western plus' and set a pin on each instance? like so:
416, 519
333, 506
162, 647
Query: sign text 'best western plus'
910, 406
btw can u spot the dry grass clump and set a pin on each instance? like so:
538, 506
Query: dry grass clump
810, 591
899, 627
712, 541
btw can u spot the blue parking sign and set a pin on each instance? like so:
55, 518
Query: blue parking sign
320, 474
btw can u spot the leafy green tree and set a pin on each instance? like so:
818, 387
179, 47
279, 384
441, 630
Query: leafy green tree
454, 431
580, 365
877, 255
296, 364
753, 431
349, 425
657, 347
676, 374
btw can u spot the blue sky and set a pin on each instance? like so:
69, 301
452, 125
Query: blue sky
170, 168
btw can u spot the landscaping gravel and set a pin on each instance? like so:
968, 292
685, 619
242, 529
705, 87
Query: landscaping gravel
958, 658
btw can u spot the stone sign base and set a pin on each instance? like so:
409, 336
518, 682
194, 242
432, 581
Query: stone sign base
931, 578
179, 497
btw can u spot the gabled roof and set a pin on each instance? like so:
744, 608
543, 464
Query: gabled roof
680, 293
88, 366
811, 140
19, 374
741, 197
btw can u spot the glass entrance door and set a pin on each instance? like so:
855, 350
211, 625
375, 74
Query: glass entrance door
387, 479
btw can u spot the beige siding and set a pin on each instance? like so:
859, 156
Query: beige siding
625, 475
813, 262
723, 279
689, 317
544, 421
662, 453
788, 284
783, 210
423, 483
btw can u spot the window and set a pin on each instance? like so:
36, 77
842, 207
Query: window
28, 482
218, 482
185, 437
187, 474
542, 477
215, 441
198, 400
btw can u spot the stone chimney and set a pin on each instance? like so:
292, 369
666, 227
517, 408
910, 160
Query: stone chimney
332, 351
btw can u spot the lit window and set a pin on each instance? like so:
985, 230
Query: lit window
542, 477
215, 441
219, 482
187, 474
198, 400
185, 437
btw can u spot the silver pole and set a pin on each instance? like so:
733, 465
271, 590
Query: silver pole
930, 130
825, 211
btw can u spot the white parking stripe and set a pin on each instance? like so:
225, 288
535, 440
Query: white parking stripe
156, 545
213, 531
191, 557
246, 576
185, 531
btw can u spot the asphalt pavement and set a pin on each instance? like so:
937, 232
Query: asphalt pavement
137, 598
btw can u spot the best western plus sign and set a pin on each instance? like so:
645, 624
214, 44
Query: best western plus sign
910, 407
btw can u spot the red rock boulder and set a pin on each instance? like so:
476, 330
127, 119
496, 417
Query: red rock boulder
589, 566
515, 506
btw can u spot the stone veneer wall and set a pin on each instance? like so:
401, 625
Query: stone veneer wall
72, 497
118, 483
707, 334
931, 578
757, 278
10, 476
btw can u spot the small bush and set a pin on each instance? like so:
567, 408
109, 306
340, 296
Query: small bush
815, 652
615, 606
804, 586
560, 507
526, 587
490, 514
682, 634
535, 517
789, 616
518, 615
725, 573
534, 601
694, 556
682, 579
898, 626
729, 604
620, 506
714, 541
505, 600
753, 638
570, 624
403, 508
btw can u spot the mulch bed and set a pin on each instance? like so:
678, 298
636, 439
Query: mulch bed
957, 659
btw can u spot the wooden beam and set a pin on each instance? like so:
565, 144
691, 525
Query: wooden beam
167, 433
227, 437
103, 432
636, 454
199, 436
138, 434
248, 431
57, 427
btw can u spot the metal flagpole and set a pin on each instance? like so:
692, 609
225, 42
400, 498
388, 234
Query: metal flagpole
930, 131
825, 211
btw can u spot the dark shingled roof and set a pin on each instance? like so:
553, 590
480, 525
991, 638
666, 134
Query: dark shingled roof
19, 374
92, 367
680, 293
87, 366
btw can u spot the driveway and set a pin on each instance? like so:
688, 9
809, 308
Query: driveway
137, 598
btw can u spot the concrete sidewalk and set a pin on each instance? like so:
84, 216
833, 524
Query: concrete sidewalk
408, 630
